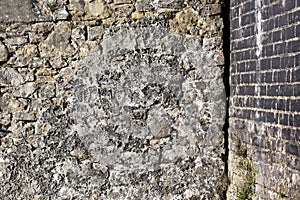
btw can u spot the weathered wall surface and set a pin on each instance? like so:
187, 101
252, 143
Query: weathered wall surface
111, 99
265, 105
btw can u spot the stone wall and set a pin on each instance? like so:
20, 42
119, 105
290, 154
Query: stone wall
265, 106
115, 99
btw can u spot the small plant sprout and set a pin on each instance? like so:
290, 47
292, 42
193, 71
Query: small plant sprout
53, 5
87, 155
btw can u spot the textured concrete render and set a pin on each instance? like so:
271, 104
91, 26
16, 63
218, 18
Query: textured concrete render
143, 105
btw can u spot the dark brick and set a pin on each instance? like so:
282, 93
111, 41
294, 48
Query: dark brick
239, 56
286, 134
234, 45
277, 8
275, 157
276, 63
295, 105
253, 53
268, 25
276, 21
282, 20
263, 90
276, 36
281, 90
275, 76
294, 17
267, 11
265, 143
297, 164
249, 90
296, 75
256, 141
291, 119
247, 55
280, 48
297, 120
288, 33
248, 31
234, 80
267, 77
281, 104
289, 5
252, 102
246, 114
272, 90
234, 13
234, 24
290, 18
269, 104
249, 6
289, 74
291, 149
297, 135
272, 131
259, 116
235, 34
287, 62
266, 2
297, 60
273, 145
293, 46
282, 77
270, 117
268, 50
265, 64
297, 90
251, 42
248, 19
298, 30
266, 38
241, 67
246, 78
285, 90
284, 119
250, 66
288, 104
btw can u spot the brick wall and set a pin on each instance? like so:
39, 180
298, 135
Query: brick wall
264, 134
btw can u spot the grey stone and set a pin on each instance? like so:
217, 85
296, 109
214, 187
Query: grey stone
144, 5
23, 116
20, 11
95, 33
3, 52
46, 90
10, 77
17, 41
25, 90
58, 42
170, 4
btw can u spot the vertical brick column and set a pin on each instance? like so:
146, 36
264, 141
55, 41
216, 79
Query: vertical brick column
264, 134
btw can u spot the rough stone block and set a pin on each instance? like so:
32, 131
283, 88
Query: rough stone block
58, 42
20, 11
3, 52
